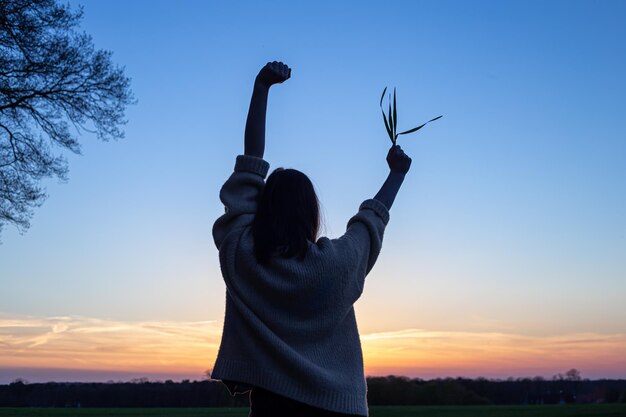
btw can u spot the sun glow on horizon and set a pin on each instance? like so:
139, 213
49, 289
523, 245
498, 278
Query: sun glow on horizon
190, 347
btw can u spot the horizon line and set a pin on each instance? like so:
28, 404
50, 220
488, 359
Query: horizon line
44, 375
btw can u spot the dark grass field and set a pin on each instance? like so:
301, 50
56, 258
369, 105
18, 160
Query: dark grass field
591, 410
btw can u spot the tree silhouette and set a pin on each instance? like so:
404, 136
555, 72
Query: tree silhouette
51, 78
573, 375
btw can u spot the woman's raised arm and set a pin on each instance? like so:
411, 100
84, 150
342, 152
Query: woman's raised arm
399, 164
272, 73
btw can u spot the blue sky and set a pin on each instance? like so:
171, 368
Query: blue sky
511, 219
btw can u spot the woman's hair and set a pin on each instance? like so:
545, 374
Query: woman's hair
288, 216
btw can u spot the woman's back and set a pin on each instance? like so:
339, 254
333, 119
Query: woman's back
290, 325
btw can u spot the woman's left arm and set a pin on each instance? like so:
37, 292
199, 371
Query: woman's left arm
240, 193
272, 73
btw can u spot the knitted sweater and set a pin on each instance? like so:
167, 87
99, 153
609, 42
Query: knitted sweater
290, 325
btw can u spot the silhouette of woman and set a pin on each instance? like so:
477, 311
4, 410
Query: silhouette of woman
290, 335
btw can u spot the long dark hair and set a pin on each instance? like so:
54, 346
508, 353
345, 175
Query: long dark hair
288, 216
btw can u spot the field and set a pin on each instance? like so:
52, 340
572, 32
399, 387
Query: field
604, 410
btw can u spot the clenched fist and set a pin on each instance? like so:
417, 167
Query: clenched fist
397, 160
273, 73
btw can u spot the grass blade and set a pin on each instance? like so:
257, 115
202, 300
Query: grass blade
420, 126
395, 113
432, 120
412, 130
382, 97
387, 126
390, 116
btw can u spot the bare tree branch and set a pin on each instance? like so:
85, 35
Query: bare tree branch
51, 78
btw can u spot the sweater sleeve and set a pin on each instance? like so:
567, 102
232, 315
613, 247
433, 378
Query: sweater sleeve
362, 242
240, 195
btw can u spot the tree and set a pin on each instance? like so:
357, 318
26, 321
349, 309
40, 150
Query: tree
51, 79
573, 375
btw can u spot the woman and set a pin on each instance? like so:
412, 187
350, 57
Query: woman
290, 334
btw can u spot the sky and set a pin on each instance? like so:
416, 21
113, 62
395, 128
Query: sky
505, 254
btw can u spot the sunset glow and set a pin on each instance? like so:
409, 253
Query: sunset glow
162, 350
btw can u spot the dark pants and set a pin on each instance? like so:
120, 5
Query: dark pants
264, 403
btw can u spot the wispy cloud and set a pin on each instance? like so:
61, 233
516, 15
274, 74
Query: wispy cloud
432, 353
82, 343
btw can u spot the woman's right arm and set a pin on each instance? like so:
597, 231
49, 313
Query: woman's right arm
399, 164
365, 229
362, 242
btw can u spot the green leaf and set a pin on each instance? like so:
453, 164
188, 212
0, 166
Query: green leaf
412, 130
391, 119
395, 114
387, 126
420, 126
382, 97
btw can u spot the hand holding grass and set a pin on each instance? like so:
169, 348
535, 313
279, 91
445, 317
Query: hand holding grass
399, 164
398, 161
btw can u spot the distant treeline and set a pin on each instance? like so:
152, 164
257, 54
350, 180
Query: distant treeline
389, 390
394, 390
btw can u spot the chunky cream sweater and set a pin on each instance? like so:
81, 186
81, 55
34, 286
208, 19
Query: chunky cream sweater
289, 325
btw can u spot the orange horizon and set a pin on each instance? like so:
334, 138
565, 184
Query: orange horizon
189, 347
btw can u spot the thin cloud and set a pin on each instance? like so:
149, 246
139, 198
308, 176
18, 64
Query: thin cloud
82, 343
79, 342
426, 353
